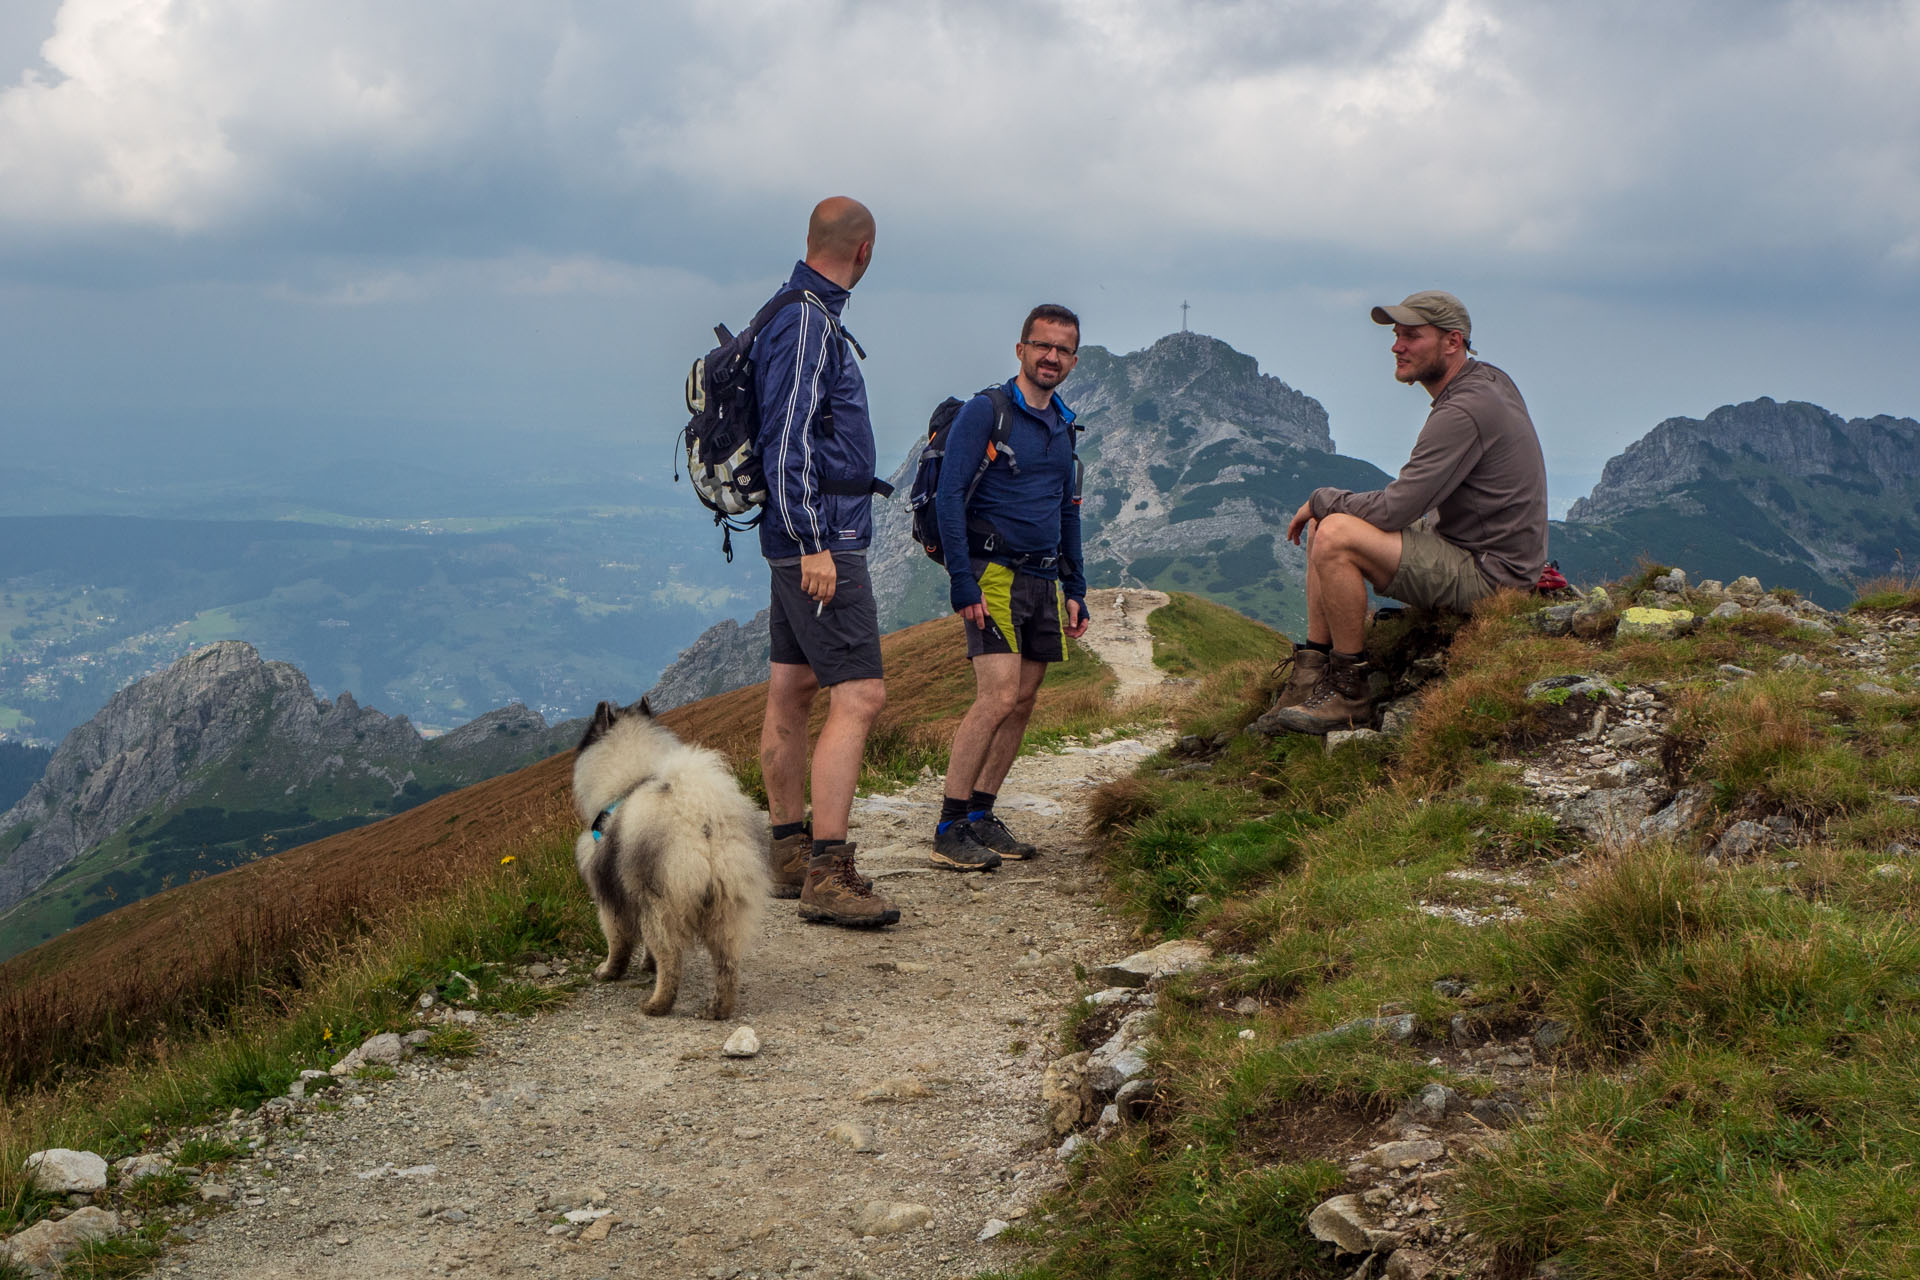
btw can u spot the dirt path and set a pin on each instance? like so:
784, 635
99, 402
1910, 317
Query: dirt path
928, 1039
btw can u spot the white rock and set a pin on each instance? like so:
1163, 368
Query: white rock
1072, 1147
1350, 737
60, 1170
743, 1043
1169, 958
133, 1168
890, 1217
385, 1049
993, 1229
577, 1216
1344, 1223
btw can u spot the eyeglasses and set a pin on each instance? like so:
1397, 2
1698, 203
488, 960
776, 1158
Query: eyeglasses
1065, 353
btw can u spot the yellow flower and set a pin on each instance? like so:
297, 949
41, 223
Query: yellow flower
326, 1033
504, 861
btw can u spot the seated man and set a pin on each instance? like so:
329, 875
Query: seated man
1476, 466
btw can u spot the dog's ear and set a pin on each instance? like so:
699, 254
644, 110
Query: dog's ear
603, 717
645, 708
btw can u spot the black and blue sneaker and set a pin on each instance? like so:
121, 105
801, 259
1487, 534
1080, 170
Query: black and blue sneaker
956, 848
993, 833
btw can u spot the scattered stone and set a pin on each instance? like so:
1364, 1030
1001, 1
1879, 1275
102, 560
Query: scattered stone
216, 1193
1072, 1147
1712, 587
1555, 619
417, 1039
1727, 610
1889, 871
1404, 1155
1123, 1056
384, 1050
1398, 1028
1814, 625
1132, 1098
895, 1089
1629, 736
890, 1217
1118, 995
1169, 958
1672, 583
1732, 672
581, 1216
1396, 717
748, 1132
1432, 1106
1743, 839
993, 1230
134, 1168
60, 1170
1408, 1264
453, 1217
1344, 1223
1655, 624
743, 1043
1745, 585
1689, 809
1560, 690
599, 1229
1873, 690
1339, 738
1453, 988
1611, 814
1796, 662
42, 1247
1550, 1035
1065, 1094
854, 1136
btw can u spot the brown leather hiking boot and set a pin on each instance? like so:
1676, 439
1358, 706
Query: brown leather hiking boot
787, 860
1307, 667
837, 894
1339, 701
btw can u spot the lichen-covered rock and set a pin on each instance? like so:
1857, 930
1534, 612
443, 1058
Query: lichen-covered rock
1066, 1094
1346, 1223
890, 1217
1655, 624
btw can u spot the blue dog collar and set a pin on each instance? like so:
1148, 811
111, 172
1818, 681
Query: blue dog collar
600, 822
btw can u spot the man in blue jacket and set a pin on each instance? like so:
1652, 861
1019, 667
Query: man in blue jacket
1013, 558
816, 446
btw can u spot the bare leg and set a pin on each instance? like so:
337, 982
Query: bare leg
996, 685
783, 740
836, 757
1006, 740
620, 940
1346, 554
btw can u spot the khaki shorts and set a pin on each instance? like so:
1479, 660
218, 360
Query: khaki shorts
1436, 574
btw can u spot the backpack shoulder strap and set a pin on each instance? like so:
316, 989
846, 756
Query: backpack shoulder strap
1002, 412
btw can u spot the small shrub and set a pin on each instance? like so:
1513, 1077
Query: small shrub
454, 1042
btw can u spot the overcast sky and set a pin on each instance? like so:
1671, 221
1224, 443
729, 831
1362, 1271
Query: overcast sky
511, 223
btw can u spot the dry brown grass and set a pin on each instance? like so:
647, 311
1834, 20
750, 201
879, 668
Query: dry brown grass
188, 955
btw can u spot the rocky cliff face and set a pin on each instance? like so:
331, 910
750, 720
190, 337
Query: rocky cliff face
727, 656
1789, 480
162, 740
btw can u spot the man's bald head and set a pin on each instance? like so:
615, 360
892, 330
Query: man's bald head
840, 240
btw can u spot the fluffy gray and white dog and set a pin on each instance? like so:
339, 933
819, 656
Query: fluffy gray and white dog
673, 853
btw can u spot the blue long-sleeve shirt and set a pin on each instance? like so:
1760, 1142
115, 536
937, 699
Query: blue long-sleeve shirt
804, 374
1032, 509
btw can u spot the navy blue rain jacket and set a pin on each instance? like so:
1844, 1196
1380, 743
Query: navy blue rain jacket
1032, 510
804, 375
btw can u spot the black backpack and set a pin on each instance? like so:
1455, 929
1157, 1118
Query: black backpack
722, 436
926, 476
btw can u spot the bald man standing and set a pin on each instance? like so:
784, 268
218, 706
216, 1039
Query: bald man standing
816, 445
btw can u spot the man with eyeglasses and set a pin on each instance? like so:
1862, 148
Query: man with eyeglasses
1013, 558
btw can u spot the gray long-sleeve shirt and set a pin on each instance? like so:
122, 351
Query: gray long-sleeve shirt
1477, 464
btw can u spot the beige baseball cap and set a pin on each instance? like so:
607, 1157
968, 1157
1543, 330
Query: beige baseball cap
1429, 306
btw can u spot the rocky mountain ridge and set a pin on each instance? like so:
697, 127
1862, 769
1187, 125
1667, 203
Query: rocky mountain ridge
229, 732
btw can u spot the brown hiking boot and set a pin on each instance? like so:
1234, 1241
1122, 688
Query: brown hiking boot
1307, 666
1339, 701
835, 893
787, 860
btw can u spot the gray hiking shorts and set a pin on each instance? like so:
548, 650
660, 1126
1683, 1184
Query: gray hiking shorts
841, 641
1436, 574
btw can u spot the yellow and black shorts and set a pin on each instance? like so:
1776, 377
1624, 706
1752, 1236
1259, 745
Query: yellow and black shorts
1025, 615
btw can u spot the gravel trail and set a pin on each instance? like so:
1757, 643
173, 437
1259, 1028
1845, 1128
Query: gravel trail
924, 1042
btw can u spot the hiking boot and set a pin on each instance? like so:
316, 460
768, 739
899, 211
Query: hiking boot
958, 849
993, 833
1305, 667
787, 861
835, 893
1339, 701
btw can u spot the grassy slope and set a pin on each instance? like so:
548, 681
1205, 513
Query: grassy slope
1736, 1097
